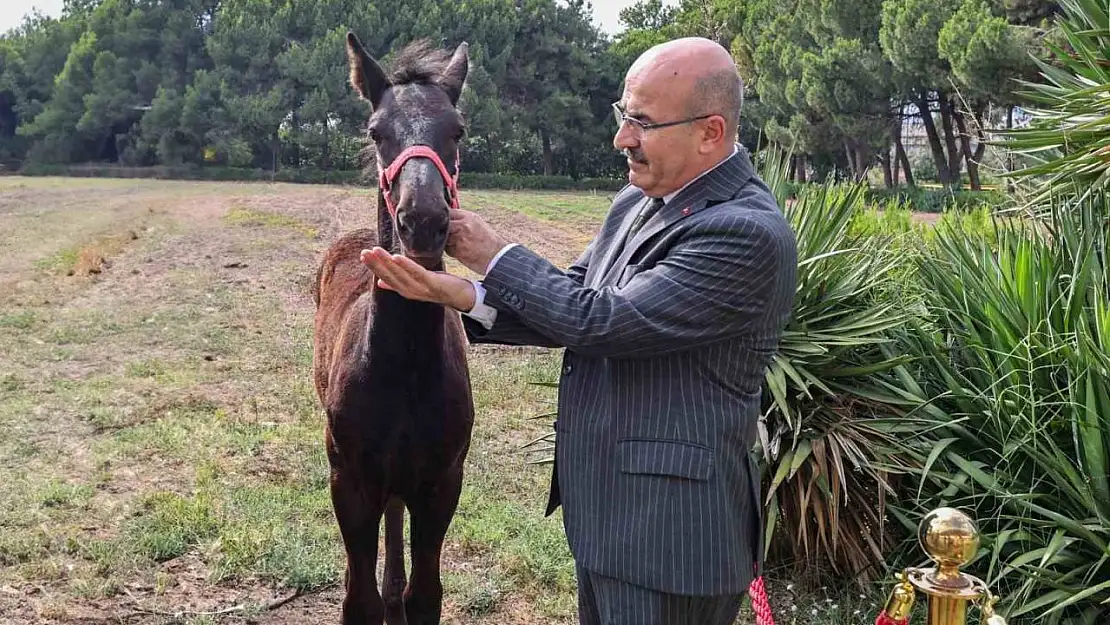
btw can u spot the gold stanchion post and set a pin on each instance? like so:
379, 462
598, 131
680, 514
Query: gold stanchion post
950, 539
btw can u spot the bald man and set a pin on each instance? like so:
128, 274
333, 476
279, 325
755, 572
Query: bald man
669, 319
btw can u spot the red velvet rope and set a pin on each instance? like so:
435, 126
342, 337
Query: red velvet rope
884, 619
760, 604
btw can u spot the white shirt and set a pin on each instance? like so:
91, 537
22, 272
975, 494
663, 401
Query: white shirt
487, 315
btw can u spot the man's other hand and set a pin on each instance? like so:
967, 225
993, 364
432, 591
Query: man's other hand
472, 242
405, 276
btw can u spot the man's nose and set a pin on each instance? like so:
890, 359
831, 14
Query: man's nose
625, 137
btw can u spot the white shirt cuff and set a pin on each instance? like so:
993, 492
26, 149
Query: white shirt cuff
496, 258
482, 312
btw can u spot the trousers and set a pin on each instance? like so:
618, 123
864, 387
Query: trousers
607, 601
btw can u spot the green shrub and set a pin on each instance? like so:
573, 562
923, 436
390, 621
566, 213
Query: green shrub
833, 402
937, 200
475, 180
472, 180
1015, 354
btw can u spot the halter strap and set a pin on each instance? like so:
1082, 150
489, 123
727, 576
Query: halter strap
387, 176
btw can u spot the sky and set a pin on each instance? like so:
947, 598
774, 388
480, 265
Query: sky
606, 12
12, 11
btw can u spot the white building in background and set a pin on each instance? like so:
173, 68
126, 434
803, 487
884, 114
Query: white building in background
913, 130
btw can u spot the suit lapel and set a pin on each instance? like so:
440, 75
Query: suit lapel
718, 185
595, 271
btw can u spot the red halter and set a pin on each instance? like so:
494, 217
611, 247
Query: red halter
389, 175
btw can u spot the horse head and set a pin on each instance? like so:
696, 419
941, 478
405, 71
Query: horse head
415, 129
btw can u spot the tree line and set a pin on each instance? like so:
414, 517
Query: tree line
263, 83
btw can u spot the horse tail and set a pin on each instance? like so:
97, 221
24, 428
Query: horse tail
395, 580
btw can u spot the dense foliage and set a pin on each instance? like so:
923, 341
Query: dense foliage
262, 83
991, 391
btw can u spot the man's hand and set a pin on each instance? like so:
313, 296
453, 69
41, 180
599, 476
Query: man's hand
410, 280
472, 242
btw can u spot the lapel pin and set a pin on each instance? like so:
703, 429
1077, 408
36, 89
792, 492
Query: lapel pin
686, 211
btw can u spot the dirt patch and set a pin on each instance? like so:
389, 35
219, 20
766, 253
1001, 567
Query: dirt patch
182, 347
559, 245
94, 258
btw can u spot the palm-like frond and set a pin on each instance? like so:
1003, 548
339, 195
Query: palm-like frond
1018, 361
1069, 137
835, 393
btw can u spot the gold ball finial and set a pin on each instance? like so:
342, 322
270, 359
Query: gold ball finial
951, 539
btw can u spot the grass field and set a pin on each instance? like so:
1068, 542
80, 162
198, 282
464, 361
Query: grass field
161, 453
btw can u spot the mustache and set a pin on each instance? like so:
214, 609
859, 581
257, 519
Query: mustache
635, 155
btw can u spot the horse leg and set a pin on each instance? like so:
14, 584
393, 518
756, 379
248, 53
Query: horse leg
358, 510
430, 516
394, 583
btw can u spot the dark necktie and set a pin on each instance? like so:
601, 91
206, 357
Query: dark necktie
652, 207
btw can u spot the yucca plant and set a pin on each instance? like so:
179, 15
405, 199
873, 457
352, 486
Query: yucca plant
1069, 137
833, 400
1015, 352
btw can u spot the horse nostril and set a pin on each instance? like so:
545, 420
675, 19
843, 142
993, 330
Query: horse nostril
403, 224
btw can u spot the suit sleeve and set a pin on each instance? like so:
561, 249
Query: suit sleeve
723, 276
508, 329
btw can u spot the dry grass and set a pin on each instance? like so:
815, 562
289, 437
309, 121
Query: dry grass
160, 442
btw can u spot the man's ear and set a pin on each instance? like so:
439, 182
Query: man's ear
713, 132
367, 76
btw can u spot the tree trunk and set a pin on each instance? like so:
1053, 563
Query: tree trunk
954, 156
971, 156
900, 152
275, 150
802, 165
1010, 126
896, 167
896, 138
793, 168
934, 139
861, 163
296, 137
980, 142
548, 157
888, 170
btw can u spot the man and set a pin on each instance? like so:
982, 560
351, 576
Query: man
669, 319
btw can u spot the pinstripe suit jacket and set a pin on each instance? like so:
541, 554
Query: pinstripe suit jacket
667, 337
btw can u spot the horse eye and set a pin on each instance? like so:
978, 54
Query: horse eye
460, 135
374, 136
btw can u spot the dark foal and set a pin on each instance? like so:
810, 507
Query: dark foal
390, 372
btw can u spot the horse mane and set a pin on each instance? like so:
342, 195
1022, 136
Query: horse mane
419, 62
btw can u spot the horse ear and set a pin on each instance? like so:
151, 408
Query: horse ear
455, 74
367, 76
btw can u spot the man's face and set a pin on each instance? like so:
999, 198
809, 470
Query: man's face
658, 158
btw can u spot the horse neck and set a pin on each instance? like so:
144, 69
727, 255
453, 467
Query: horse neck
385, 227
402, 326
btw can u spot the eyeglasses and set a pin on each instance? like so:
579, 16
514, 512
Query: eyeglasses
618, 114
